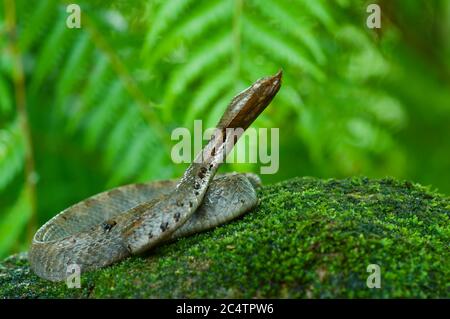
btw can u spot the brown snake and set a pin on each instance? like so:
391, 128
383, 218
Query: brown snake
131, 219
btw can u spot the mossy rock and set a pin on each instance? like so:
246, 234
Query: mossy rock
308, 238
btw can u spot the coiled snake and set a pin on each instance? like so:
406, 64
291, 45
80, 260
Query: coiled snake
131, 219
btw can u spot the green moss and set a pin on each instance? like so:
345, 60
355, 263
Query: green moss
307, 238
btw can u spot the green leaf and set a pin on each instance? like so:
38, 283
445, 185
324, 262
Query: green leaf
51, 52
12, 153
203, 59
6, 102
164, 19
12, 223
41, 16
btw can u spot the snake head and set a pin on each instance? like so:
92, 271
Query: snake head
247, 105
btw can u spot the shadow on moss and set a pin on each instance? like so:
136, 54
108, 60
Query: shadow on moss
308, 238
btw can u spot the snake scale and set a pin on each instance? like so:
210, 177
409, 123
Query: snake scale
132, 219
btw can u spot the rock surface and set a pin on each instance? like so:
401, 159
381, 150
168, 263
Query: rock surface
308, 238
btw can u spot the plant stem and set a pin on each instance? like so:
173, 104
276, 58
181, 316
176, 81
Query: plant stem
20, 96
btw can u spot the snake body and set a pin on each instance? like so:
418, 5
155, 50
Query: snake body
132, 219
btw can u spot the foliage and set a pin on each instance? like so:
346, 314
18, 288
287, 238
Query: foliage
308, 238
102, 100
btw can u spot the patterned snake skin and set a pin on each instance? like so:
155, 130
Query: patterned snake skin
131, 219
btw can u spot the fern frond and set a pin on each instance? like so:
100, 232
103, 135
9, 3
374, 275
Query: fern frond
51, 53
207, 93
211, 53
93, 108
217, 109
74, 67
97, 83
36, 22
157, 168
286, 53
102, 117
138, 154
166, 16
300, 29
121, 135
212, 14
320, 10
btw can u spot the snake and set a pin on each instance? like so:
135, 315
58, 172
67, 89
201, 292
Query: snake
132, 219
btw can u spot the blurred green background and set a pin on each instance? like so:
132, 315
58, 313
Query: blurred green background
83, 110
